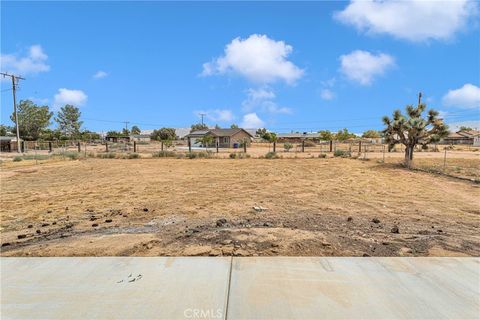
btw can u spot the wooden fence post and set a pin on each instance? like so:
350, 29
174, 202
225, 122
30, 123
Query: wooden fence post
445, 159
106, 146
161, 145
331, 145
79, 147
274, 146
383, 153
50, 149
360, 146
303, 145
134, 146
217, 143
245, 146
189, 145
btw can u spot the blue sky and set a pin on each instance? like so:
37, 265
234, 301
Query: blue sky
287, 66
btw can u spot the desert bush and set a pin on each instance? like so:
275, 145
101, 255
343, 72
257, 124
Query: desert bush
108, 155
322, 155
287, 146
206, 154
239, 155
271, 155
132, 155
17, 159
309, 143
91, 154
164, 154
180, 155
36, 157
72, 155
191, 155
341, 153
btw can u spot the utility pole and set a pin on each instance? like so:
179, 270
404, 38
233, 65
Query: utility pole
202, 115
126, 126
419, 98
14, 89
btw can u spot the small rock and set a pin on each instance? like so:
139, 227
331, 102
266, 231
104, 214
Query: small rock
5, 244
395, 229
64, 235
149, 246
108, 220
366, 255
385, 243
94, 225
242, 252
30, 226
215, 252
268, 224
274, 245
349, 219
38, 231
226, 251
145, 209
45, 224
21, 236
221, 222
69, 225
49, 211
226, 242
439, 230
54, 223
93, 218
405, 251
375, 220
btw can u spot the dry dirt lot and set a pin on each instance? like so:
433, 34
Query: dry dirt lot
149, 207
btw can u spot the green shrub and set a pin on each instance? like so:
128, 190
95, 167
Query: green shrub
191, 155
287, 146
239, 155
164, 154
108, 155
322, 155
132, 155
206, 154
72, 155
17, 158
341, 153
271, 155
180, 155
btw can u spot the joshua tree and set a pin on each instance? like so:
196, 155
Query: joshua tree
413, 129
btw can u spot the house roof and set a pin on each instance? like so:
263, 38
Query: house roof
218, 132
463, 134
139, 136
298, 135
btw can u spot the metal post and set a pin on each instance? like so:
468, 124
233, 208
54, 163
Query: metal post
189, 145
217, 143
106, 146
134, 146
383, 153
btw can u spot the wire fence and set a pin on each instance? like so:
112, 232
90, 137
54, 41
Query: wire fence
458, 160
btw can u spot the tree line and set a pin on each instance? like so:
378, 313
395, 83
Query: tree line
34, 122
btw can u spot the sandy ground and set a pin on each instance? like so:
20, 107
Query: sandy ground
149, 207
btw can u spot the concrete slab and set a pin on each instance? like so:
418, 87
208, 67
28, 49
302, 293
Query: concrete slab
104, 288
354, 288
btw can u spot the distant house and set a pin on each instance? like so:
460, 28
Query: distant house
140, 137
6, 143
463, 137
296, 137
117, 138
227, 138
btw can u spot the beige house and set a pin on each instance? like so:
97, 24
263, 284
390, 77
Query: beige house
226, 138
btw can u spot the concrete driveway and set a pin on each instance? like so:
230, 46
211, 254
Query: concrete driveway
240, 288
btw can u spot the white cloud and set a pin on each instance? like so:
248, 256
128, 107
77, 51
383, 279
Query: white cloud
413, 20
252, 121
257, 58
100, 74
66, 96
218, 115
262, 100
327, 94
363, 66
33, 63
467, 96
